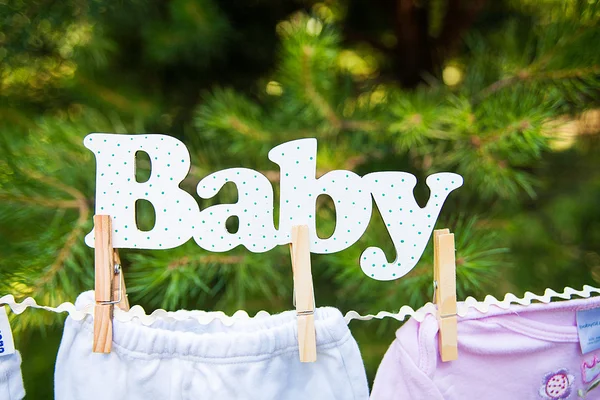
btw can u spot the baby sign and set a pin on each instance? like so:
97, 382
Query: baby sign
179, 218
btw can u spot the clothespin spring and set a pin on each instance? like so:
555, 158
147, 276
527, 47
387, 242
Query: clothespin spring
120, 290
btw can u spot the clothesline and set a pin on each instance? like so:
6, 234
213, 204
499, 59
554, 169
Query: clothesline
205, 317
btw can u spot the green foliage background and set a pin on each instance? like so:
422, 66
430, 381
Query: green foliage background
503, 92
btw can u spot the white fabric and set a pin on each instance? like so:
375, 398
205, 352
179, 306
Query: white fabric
252, 359
11, 381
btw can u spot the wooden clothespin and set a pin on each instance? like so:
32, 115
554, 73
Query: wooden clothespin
109, 284
444, 275
304, 296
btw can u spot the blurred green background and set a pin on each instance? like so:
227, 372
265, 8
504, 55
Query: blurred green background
504, 92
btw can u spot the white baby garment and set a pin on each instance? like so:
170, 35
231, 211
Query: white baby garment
11, 381
252, 359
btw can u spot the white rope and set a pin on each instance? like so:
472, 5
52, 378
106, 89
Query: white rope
138, 313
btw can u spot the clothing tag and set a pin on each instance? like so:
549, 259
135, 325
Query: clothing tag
588, 328
7, 344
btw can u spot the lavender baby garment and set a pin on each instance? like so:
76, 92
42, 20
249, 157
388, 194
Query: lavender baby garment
528, 352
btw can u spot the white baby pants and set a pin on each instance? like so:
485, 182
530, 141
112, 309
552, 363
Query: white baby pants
251, 359
11, 380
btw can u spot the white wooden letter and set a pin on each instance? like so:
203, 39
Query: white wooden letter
254, 210
299, 191
408, 224
117, 189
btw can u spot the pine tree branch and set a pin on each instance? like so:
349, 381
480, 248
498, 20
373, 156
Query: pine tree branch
45, 179
368, 126
486, 138
211, 259
526, 75
75, 234
314, 96
39, 201
237, 125
323, 106
65, 251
